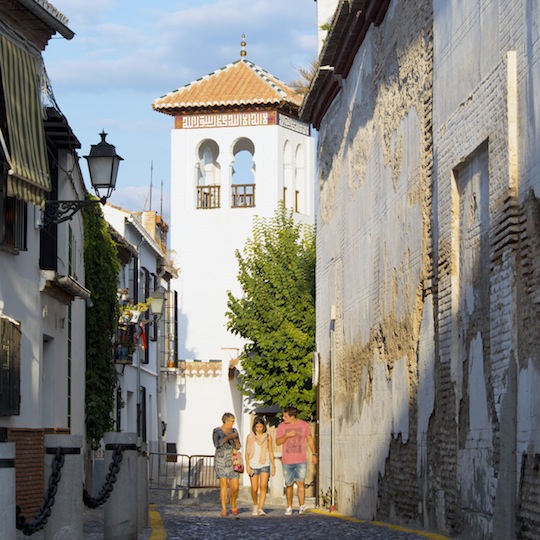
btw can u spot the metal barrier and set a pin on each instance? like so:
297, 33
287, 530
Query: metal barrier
180, 473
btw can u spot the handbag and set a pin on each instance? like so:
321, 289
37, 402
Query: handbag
238, 463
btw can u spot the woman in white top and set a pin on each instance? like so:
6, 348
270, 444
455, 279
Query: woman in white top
259, 463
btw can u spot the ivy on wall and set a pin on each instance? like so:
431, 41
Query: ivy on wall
101, 268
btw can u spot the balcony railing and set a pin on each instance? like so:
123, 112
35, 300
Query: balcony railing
243, 195
208, 196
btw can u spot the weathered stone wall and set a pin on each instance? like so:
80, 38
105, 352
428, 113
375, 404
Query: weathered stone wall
428, 255
375, 266
484, 121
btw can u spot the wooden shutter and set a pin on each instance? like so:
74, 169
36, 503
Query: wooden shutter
10, 367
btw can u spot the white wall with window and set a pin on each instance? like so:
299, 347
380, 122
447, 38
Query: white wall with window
256, 164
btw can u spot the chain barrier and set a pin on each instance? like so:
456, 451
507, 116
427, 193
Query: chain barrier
110, 479
30, 527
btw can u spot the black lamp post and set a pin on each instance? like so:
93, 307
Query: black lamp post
103, 164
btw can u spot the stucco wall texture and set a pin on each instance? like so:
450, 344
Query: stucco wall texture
428, 258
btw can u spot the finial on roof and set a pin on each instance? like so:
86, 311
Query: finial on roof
243, 44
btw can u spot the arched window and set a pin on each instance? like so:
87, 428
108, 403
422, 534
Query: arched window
208, 175
287, 173
299, 181
243, 174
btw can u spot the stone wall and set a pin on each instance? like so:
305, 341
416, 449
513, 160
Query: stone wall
428, 272
375, 267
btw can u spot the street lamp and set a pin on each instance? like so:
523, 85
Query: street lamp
157, 301
103, 164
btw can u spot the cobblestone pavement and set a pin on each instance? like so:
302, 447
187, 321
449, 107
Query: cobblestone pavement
198, 519
194, 519
203, 522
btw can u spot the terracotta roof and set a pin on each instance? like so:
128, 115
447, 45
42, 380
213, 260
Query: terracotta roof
238, 85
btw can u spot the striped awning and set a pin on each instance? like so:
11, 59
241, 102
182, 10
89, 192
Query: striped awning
24, 145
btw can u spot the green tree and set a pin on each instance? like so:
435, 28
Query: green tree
302, 84
276, 312
101, 268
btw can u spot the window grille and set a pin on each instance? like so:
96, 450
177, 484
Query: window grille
243, 195
208, 196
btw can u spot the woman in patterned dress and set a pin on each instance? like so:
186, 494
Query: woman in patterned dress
226, 440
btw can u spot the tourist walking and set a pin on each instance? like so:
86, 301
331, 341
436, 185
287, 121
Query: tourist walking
259, 463
294, 435
226, 441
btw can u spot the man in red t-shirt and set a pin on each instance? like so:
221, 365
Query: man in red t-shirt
293, 434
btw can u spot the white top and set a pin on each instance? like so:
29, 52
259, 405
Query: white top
254, 461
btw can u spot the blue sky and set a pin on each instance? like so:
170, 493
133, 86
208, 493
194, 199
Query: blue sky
126, 53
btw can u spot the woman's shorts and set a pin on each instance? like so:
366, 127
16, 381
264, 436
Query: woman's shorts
294, 473
256, 472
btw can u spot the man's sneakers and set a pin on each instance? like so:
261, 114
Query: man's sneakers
255, 511
261, 512
301, 510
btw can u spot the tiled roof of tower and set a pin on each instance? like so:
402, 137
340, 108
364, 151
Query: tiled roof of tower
240, 84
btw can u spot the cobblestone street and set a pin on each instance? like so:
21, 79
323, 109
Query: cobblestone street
202, 522
198, 519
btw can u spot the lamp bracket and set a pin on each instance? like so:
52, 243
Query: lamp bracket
59, 211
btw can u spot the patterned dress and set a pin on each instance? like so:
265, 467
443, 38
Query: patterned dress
223, 458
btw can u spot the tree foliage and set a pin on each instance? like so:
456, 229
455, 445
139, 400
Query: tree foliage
276, 312
306, 75
101, 270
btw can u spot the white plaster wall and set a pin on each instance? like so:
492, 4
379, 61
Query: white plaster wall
325, 13
371, 262
462, 27
46, 405
146, 374
194, 407
205, 240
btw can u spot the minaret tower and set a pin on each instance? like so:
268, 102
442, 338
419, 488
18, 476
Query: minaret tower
237, 149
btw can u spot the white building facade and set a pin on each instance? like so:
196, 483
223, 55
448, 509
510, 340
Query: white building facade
237, 149
42, 276
428, 264
141, 342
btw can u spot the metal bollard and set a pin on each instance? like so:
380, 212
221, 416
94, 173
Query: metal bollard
142, 513
65, 520
7, 492
121, 506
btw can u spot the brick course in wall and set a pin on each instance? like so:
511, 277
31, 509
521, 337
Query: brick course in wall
29, 452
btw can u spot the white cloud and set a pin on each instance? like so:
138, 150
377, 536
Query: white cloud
149, 48
126, 53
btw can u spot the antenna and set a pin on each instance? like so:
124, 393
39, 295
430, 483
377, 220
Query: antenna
151, 173
161, 202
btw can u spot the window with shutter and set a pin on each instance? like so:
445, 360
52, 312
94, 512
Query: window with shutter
10, 362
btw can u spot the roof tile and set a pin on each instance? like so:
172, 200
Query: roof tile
241, 83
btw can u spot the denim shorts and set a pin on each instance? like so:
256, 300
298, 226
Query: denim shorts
256, 472
294, 472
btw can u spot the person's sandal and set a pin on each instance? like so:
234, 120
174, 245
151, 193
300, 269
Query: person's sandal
235, 511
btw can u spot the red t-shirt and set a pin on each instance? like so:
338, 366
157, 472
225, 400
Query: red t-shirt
294, 448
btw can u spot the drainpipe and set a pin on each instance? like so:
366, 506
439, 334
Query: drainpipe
332, 408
